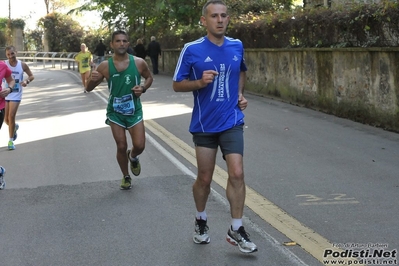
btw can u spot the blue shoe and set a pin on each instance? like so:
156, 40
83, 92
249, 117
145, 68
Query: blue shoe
11, 145
2, 181
15, 131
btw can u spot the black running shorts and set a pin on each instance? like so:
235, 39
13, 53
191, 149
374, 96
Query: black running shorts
229, 141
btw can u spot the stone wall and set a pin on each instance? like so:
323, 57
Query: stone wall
18, 39
357, 83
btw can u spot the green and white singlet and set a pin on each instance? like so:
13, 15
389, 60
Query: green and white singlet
124, 108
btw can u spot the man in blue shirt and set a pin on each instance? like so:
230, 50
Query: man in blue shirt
213, 69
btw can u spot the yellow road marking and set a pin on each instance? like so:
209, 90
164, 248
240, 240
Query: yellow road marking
305, 237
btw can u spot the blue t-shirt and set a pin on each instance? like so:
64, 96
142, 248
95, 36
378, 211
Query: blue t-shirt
215, 106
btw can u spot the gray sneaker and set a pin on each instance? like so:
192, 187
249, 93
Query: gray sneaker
2, 181
201, 232
240, 238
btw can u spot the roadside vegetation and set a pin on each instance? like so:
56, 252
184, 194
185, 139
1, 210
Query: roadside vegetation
258, 23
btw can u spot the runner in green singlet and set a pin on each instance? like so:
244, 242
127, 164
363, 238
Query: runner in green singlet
124, 111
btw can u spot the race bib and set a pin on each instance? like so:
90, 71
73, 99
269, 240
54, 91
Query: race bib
124, 105
16, 87
85, 63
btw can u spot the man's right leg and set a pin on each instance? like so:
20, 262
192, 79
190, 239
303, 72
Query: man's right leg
206, 158
119, 135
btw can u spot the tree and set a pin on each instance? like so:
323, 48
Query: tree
62, 33
33, 40
58, 5
136, 15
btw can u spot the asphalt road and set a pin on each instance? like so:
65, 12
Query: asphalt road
314, 181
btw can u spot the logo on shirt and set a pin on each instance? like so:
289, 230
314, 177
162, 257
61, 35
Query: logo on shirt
235, 58
208, 59
128, 79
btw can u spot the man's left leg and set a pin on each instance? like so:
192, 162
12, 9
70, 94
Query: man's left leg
10, 114
137, 133
232, 146
235, 191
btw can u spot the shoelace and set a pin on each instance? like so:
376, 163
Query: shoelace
243, 234
202, 227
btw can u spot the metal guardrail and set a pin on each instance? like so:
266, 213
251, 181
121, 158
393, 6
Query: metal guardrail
54, 57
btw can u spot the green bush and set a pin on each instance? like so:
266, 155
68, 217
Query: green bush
360, 25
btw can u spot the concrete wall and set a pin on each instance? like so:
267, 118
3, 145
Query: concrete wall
357, 83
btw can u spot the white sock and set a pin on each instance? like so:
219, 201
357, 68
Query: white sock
133, 159
236, 223
201, 215
11, 139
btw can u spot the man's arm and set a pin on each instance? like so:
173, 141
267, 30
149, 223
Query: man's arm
241, 82
186, 85
97, 76
11, 83
30, 78
242, 102
145, 72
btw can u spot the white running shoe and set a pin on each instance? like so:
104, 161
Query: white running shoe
201, 232
240, 238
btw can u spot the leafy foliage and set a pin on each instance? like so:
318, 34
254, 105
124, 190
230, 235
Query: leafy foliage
62, 33
258, 23
372, 25
6, 27
18, 23
33, 40
58, 5
163, 18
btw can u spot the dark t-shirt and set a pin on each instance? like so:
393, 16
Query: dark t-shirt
130, 50
154, 49
139, 50
100, 49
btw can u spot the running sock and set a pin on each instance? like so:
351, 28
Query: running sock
236, 223
11, 139
135, 159
201, 215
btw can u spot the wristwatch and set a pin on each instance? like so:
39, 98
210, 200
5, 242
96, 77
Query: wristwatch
144, 89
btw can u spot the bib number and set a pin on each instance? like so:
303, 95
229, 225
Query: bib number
16, 87
124, 105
